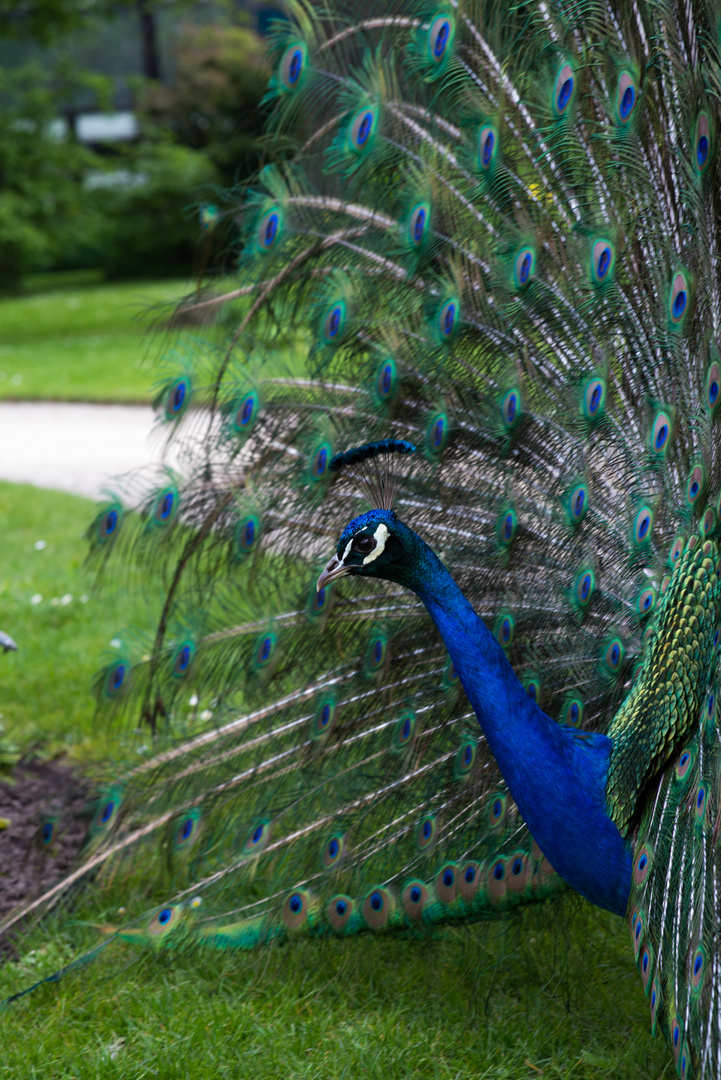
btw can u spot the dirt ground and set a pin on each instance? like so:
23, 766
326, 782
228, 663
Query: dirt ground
45, 801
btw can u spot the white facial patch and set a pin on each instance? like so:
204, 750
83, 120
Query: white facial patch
380, 536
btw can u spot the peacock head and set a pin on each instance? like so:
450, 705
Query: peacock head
376, 544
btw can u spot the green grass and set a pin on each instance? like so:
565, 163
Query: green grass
81, 340
45, 697
552, 993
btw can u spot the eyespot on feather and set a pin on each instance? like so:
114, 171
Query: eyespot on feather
426, 833
577, 505
660, 433
496, 885
583, 587
504, 630
437, 433
186, 830
563, 89
524, 266
333, 852
613, 655
626, 97
245, 413
506, 527
319, 602
324, 719
469, 880
497, 810
572, 713
713, 385
269, 229
115, 680
699, 964
655, 1002
440, 37
265, 647
385, 380
333, 322
293, 65
165, 507
177, 398
646, 601
318, 465
685, 764
603, 258
376, 653
418, 224
165, 920
296, 910
593, 398
378, 908
106, 812
638, 932
183, 659
108, 522
646, 965
339, 912
510, 408
700, 803
47, 832
446, 883
404, 730
487, 147
708, 521
257, 838
532, 686
695, 484
710, 710
362, 129
246, 536
642, 529
447, 319
677, 550
414, 898
677, 1041
465, 758
518, 873
678, 298
642, 864
702, 142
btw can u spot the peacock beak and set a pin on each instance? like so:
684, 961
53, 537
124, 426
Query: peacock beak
334, 570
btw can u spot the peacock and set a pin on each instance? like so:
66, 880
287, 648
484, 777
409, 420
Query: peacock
469, 349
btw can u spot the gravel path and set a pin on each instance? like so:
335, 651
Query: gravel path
73, 447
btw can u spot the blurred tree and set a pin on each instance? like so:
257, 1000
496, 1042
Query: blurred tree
42, 19
149, 39
220, 78
46, 20
43, 207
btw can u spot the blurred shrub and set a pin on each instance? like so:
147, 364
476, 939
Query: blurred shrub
42, 202
130, 210
220, 76
149, 210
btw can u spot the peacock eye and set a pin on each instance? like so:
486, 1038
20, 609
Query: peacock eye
364, 545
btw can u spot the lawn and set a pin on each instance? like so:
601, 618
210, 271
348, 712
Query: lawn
553, 993
74, 339
61, 623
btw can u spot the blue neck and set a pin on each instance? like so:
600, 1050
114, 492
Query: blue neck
556, 775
